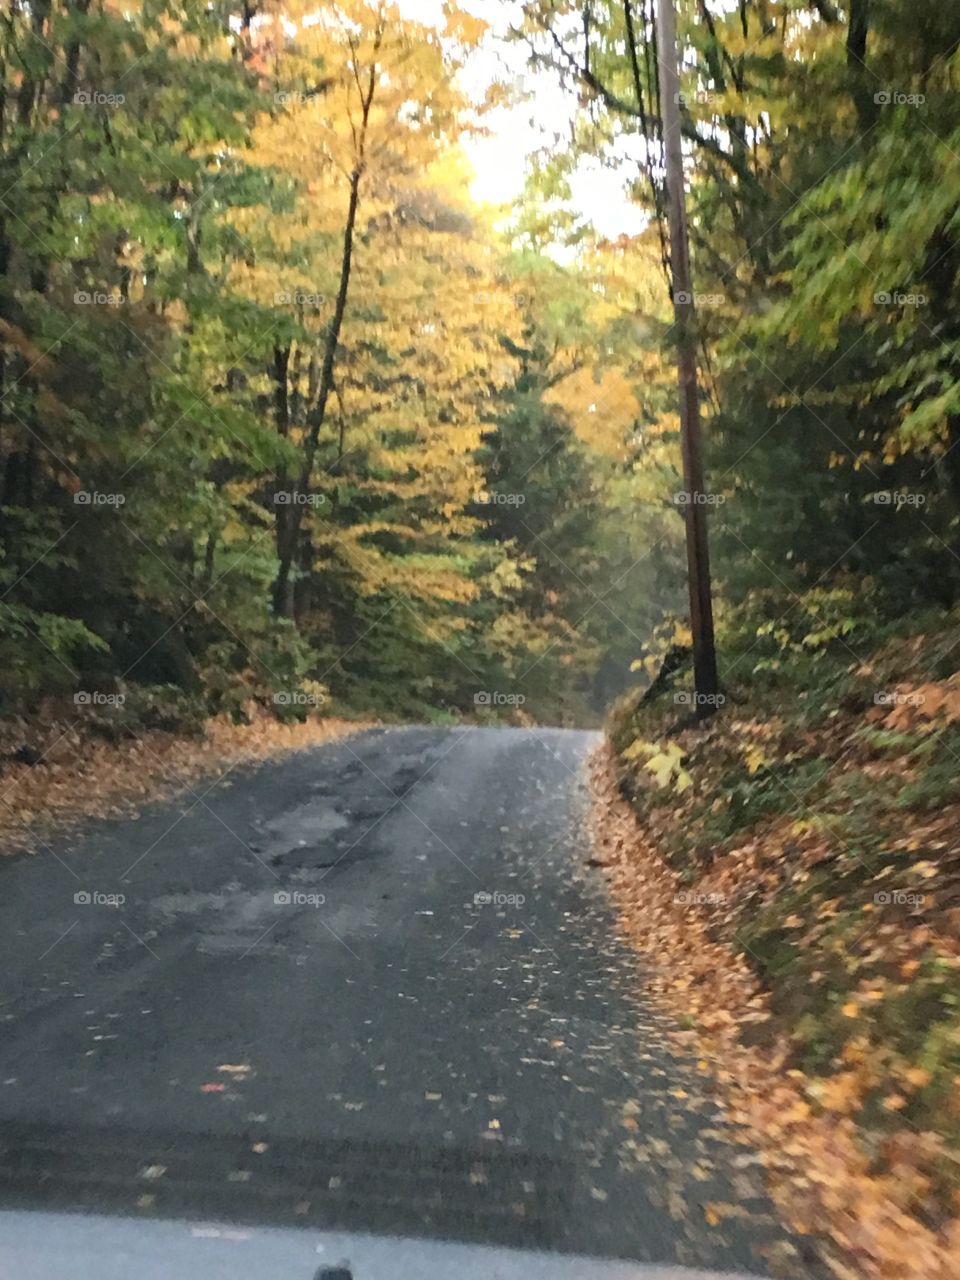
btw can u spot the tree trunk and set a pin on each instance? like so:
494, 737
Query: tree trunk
282, 508
288, 535
288, 540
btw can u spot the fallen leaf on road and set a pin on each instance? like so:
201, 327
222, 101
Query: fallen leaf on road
715, 1212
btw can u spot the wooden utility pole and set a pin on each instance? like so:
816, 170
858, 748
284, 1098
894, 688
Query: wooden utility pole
695, 496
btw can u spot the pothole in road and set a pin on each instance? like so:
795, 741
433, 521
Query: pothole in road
325, 857
306, 824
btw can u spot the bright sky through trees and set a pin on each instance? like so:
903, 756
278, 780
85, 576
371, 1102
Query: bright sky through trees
516, 132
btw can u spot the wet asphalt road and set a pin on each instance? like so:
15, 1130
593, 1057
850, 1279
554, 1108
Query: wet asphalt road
372, 985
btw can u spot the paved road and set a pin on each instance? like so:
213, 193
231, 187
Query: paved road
371, 985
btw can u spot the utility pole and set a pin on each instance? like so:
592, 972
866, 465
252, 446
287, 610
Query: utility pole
695, 509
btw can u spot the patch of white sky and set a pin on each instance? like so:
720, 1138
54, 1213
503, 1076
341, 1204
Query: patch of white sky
541, 118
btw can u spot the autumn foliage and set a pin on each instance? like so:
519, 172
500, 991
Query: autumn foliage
269, 375
796, 867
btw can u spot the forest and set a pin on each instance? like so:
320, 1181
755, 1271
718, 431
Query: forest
287, 417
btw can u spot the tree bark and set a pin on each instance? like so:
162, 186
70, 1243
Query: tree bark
698, 563
288, 538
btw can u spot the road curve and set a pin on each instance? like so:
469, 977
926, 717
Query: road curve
373, 985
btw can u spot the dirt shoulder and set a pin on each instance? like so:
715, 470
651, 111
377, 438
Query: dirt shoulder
794, 877
67, 774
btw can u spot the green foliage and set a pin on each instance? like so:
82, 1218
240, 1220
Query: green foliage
935, 782
824, 195
173, 367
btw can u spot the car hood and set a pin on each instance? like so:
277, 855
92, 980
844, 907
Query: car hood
49, 1246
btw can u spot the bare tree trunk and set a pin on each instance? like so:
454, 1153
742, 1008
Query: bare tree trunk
289, 537
281, 495
288, 531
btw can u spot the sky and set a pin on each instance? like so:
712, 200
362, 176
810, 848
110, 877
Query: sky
500, 160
